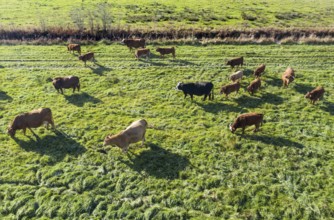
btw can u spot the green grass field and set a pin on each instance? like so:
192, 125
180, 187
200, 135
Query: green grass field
191, 166
168, 14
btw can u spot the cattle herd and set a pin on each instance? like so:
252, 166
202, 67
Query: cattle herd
136, 131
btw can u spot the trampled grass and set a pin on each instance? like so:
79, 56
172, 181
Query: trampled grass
172, 14
192, 166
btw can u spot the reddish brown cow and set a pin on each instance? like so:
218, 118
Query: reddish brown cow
235, 62
254, 85
132, 134
259, 70
234, 87
66, 82
142, 52
164, 51
74, 47
315, 94
288, 76
134, 43
247, 119
30, 120
87, 56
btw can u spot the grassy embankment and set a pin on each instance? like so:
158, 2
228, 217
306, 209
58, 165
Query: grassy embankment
191, 165
169, 14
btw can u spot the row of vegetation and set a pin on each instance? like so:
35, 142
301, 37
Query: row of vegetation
192, 166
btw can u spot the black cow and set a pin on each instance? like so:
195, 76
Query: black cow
198, 88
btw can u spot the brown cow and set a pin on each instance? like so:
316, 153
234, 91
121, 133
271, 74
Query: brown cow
235, 62
132, 134
247, 119
164, 51
134, 43
315, 94
254, 85
259, 70
30, 120
87, 56
234, 87
66, 82
288, 76
74, 47
142, 52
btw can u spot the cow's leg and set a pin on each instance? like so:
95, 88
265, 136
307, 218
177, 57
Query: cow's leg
73, 89
205, 97
24, 131
32, 131
243, 130
143, 139
185, 95
192, 96
61, 91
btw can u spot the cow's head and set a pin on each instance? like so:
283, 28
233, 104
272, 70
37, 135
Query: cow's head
11, 131
80, 57
179, 86
56, 83
223, 90
228, 62
249, 89
124, 41
109, 140
308, 95
232, 128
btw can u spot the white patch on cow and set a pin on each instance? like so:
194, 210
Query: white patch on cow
231, 126
177, 86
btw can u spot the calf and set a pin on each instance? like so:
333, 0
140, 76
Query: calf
164, 51
236, 76
259, 70
235, 62
142, 53
66, 82
134, 43
30, 120
234, 87
254, 85
198, 88
87, 56
315, 94
247, 119
132, 134
74, 47
288, 76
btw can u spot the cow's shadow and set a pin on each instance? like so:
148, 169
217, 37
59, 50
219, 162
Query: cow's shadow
4, 96
100, 69
272, 140
218, 107
274, 81
158, 162
79, 99
302, 88
56, 146
328, 107
258, 99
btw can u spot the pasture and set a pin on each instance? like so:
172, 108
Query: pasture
191, 166
167, 14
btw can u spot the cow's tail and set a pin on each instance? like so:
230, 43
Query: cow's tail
78, 87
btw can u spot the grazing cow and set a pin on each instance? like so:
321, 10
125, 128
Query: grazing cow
259, 70
236, 76
164, 51
254, 85
87, 56
142, 53
315, 94
74, 47
30, 120
288, 76
234, 87
66, 82
198, 88
134, 43
235, 62
132, 134
247, 119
